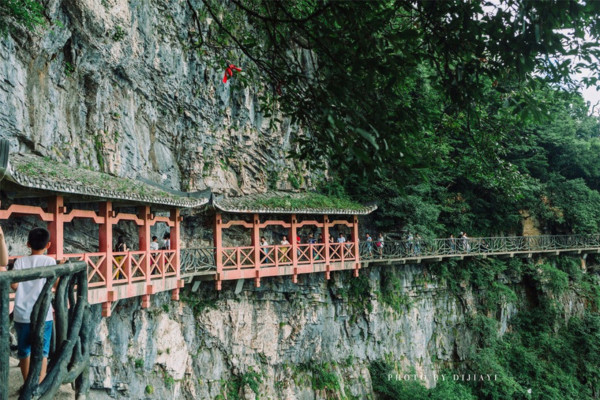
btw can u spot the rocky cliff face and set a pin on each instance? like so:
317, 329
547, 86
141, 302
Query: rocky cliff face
119, 86
285, 341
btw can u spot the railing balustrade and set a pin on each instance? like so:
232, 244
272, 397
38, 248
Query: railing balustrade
416, 248
202, 260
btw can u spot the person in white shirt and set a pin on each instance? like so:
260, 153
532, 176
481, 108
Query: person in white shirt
341, 238
284, 250
167, 239
27, 294
154, 243
264, 250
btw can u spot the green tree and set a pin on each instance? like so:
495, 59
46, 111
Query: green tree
29, 13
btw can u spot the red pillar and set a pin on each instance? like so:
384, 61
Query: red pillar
293, 236
356, 244
218, 237
105, 246
326, 241
176, 245
256, 244
56, 227
144, 243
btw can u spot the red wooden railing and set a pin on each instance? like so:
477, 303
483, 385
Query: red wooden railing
119, 275
115, 275
258, 261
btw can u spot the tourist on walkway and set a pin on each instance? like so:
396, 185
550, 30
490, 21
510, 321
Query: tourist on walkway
369, 241
466, 245
452, 242
284, 256
312, 241
153, 259
264, 250
418, 240
27, 293
121, 245
379, 244
154, 243
410, 244
341, 238
167, 241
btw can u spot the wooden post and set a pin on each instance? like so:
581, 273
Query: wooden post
326, 245
57, 208
4, 338
294, 235
144, 245
356, 245
256, 244
176, 245
105, 246
218, 238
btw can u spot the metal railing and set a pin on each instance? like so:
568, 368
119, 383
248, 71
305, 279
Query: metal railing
416, 248
202, 260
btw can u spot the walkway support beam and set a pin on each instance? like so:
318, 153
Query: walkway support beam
356, 245
256, 244
144, 245
294, 242
175, 239
105, 246
326, 245
56, 207
218, 239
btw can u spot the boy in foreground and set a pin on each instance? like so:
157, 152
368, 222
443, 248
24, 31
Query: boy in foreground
27, 294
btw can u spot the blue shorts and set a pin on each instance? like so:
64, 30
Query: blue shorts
24, 340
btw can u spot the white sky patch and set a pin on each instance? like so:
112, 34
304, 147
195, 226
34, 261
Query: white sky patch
591, 94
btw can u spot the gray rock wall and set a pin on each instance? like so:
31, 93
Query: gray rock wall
118, 86
283, 336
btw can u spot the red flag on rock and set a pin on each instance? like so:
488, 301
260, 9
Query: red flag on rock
229, 72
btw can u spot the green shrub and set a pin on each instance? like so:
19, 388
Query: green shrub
118, 34
29, 13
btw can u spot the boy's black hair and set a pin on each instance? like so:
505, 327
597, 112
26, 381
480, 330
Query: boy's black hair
38, 238
167, 235
154, 238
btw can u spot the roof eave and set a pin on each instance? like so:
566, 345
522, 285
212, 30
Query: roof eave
367, 210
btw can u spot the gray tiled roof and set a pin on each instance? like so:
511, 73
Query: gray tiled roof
41, 173
279, 202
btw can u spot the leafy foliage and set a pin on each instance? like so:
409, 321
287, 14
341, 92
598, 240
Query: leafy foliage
389, 385
29, 13
451, 115
232, 389
543, 356
377, 82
